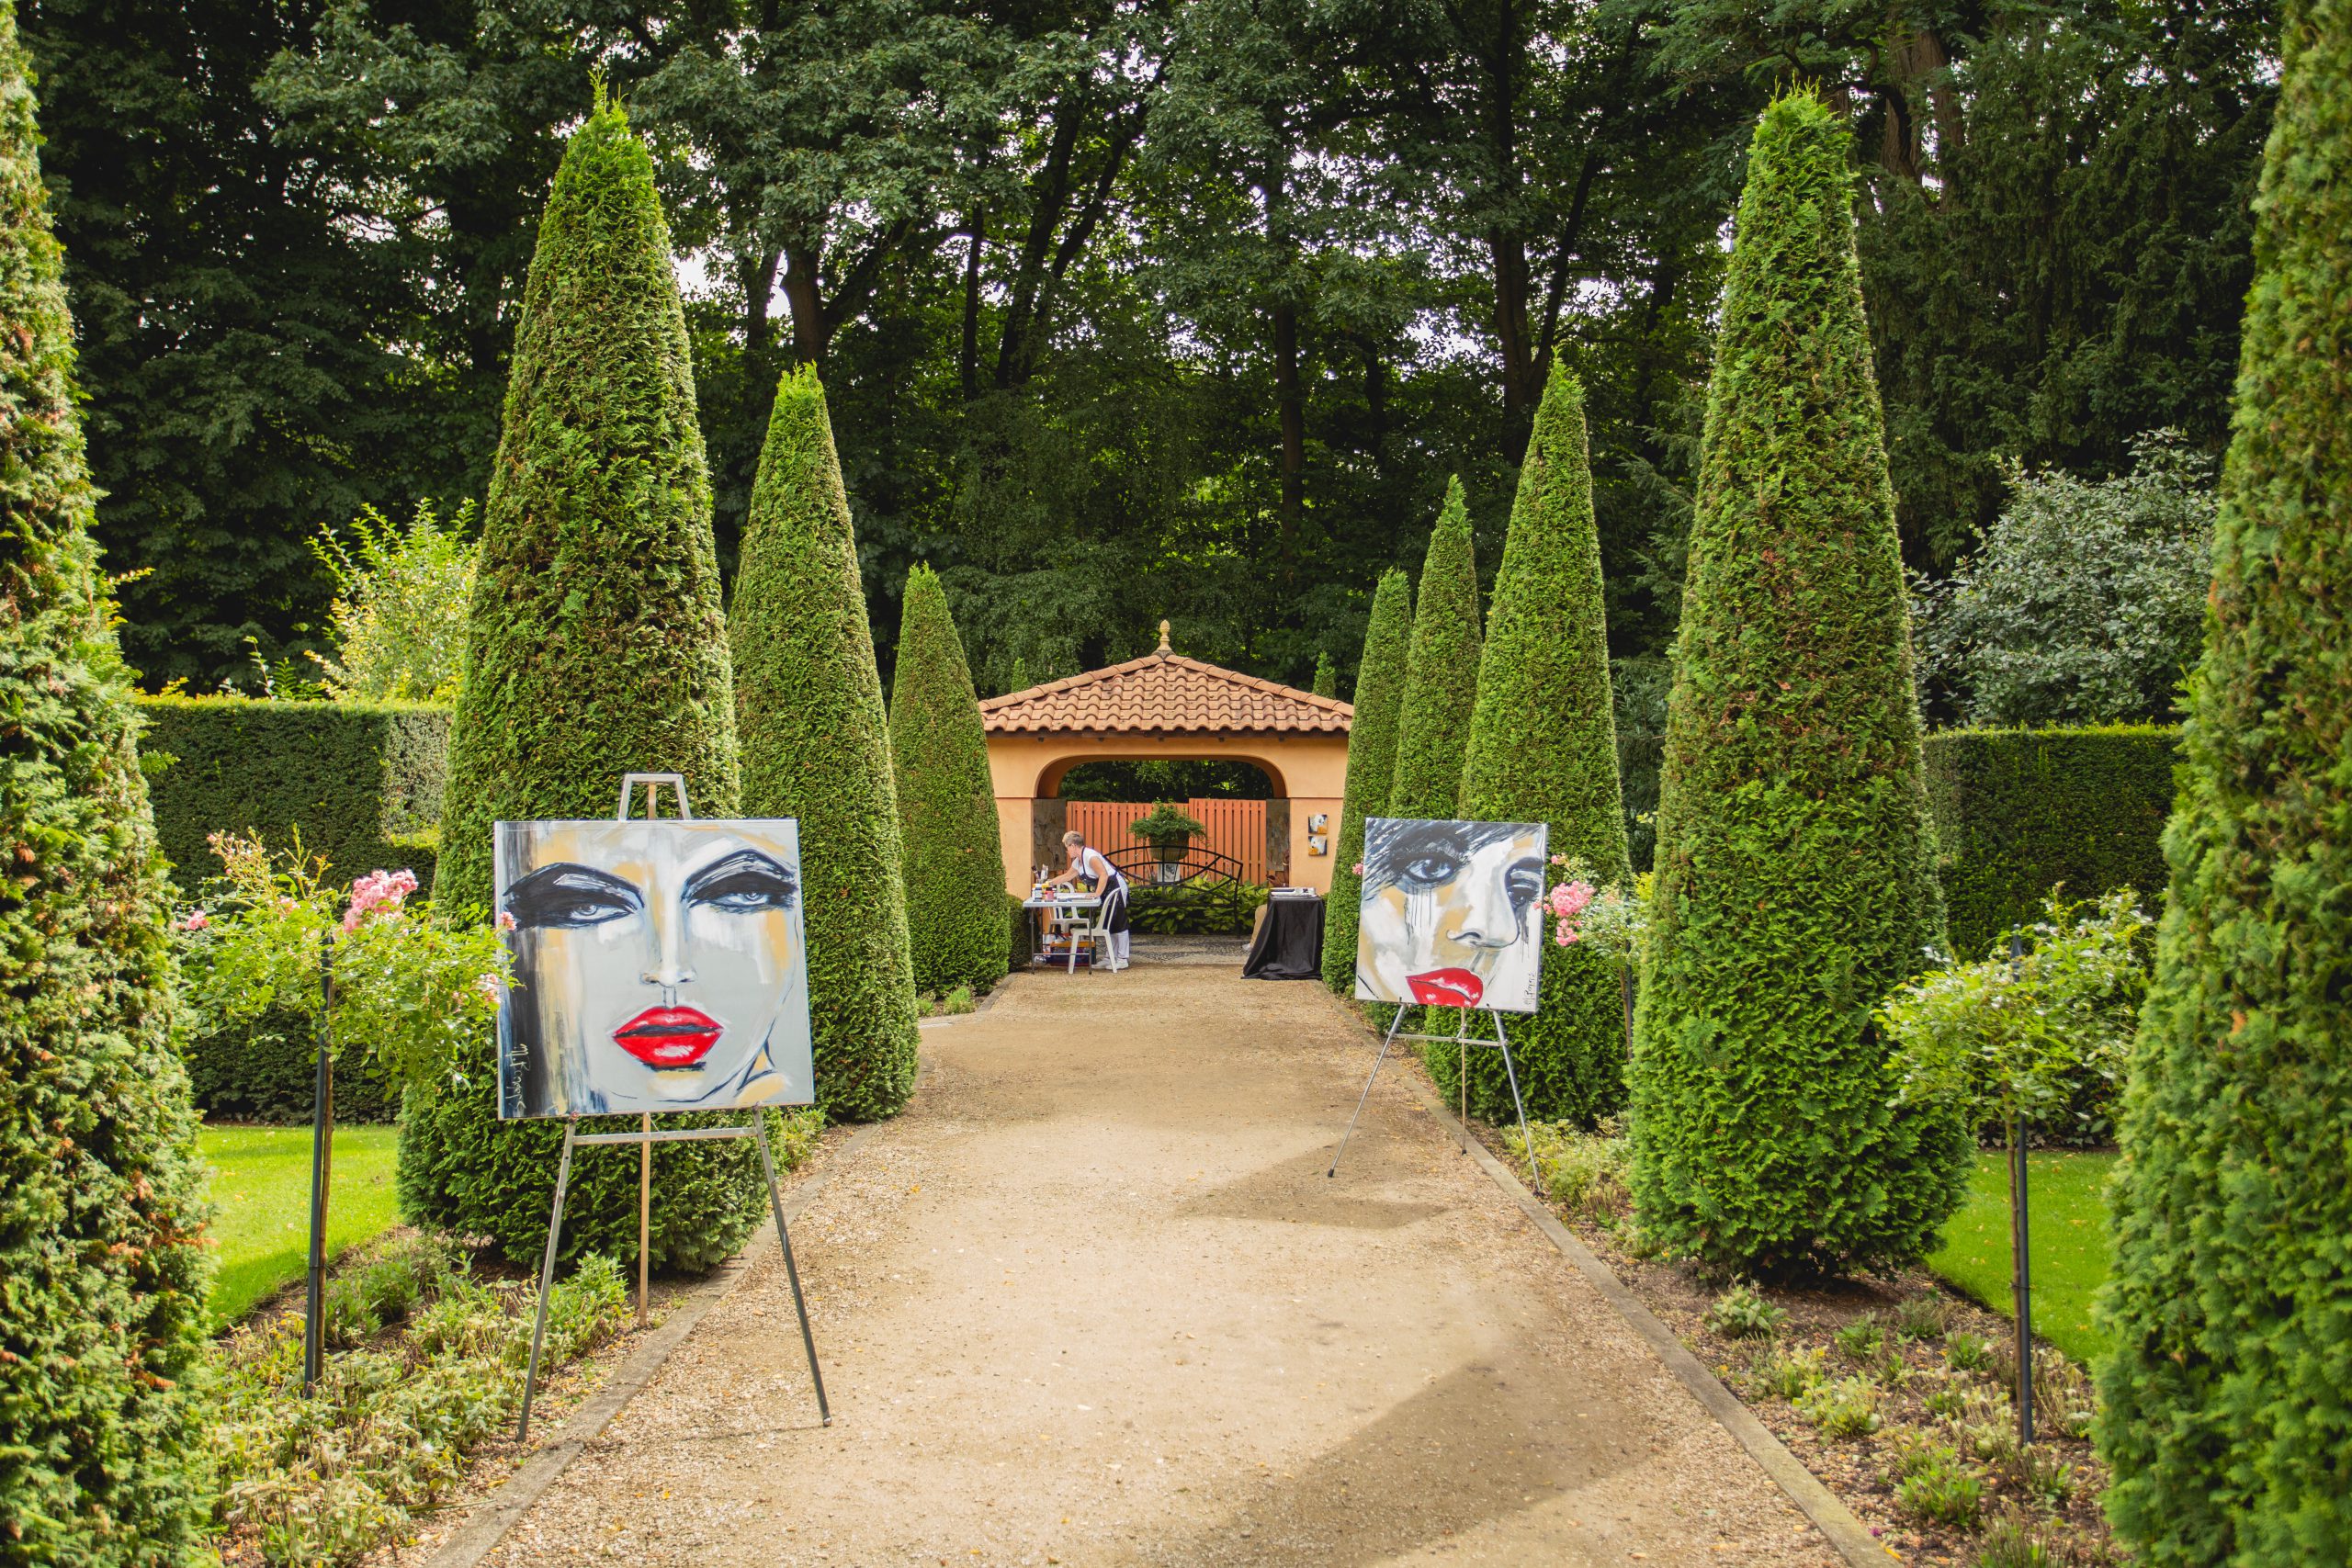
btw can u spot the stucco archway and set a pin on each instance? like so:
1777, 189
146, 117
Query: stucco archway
1165, 707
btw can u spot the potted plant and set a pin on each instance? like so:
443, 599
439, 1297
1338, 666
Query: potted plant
1168, 830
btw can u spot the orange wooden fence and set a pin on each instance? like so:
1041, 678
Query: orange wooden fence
1235, 827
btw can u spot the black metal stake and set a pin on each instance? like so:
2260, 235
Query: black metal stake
322, 1161
1625, 988
2021, 1247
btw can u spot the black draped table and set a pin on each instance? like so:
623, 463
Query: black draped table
1289, 944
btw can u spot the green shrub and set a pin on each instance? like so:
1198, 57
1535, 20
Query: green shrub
2047, 1033
596, 647
1441, 671
1741, 1313
1788, 1376
1326, 676
1584, 1172
1966, 1352
1372, 768
1544, 749
358, 783
1794, 882
2228, 1406
102, 1272
810, 714
2011, 1540
1922, 1317
1936, 1486
1863, 1340
399, 617
2019, 812
1205, 905
1847, 1407
954, 852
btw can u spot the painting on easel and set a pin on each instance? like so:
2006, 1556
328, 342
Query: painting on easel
658, 966
1450, 915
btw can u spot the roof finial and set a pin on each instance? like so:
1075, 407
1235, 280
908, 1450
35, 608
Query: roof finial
1163, 649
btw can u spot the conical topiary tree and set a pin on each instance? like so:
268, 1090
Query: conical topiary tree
102, 1274
1544, 749
595, 647
1796, 884
1326, 676
955, 853
815, 747
1442, 672
1371, 767
2228, 1402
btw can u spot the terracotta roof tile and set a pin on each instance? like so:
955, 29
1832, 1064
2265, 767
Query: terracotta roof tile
1163, 692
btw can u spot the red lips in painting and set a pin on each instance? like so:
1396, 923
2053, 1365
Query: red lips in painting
669, 1037
1446, 988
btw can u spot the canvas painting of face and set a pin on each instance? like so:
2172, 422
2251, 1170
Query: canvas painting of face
658, 966
1449, 916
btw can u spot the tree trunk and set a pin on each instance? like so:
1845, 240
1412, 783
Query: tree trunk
809, 330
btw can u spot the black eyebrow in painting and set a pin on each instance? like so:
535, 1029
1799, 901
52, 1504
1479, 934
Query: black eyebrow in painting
741, 862
544, 891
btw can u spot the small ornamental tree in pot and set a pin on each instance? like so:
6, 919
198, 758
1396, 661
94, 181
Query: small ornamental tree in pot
1544, 749
1169, 830
1371, 767
817, 747
2228, 1407
102, 1268
596, 647
1796, 884
1440, 672
954, 853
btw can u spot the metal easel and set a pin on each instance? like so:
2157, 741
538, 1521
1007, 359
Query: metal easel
645, 1137
1462, 1040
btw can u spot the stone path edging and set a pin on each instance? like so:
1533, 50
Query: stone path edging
498, 1513
1844, 1529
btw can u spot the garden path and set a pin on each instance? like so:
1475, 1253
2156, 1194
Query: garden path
1091, 1300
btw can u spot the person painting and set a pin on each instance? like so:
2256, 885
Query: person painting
1094, 868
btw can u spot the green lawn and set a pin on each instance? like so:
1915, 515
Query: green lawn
261, 1196
2067, 1219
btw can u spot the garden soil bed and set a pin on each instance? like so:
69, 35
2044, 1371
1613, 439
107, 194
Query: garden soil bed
1861, 1470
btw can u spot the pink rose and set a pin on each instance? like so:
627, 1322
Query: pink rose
506, 919
196, 920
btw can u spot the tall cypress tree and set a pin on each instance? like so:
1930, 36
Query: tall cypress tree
1544, 749
102, 1277
1371, 767
1795, 883
1326, 676
2228, 1413
809, 706
1440, 672
954, 853
595, 647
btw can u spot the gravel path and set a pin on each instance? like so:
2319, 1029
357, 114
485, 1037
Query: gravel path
1091, 1300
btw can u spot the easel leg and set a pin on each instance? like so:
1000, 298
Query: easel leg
547, 1281
1517, 1104
1394, 1024
644, 1216
791, 1270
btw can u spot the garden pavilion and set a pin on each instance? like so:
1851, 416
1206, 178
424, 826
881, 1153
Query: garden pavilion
1166, 707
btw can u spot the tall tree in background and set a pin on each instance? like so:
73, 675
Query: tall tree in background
597, 647
816, 747
2226, 1417
1544, 749
1372, 768
1440, 672
953, 847
101, 1199
1795, 868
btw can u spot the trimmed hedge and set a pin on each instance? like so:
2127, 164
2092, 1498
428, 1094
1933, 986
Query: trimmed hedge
595, 648
2227, 1410
1371, 767
361, 782
954, 852
1795, 882
267, 1071
1440, 672
817, 747
2019, 810
1544, 749
102, 1264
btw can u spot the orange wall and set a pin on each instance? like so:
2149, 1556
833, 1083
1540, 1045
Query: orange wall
1309, 769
